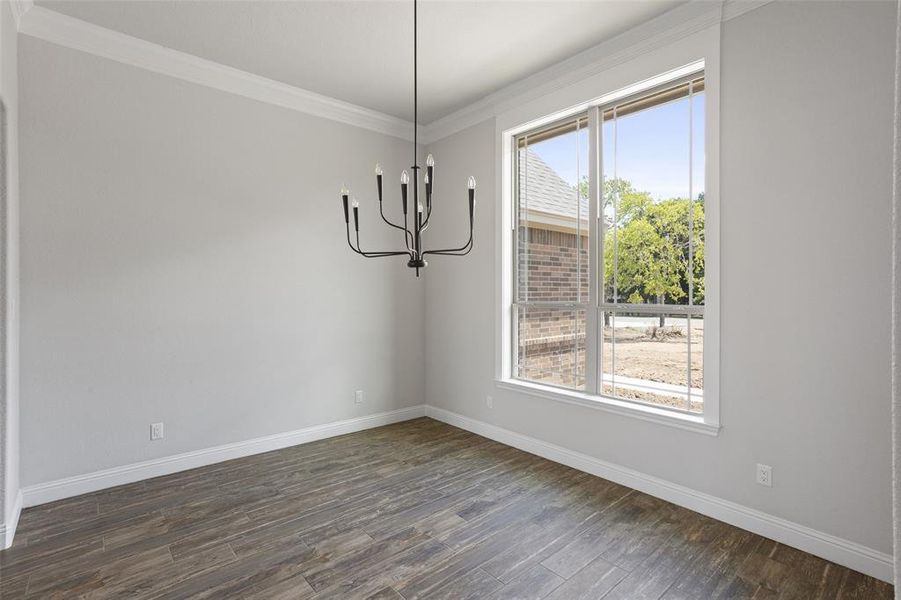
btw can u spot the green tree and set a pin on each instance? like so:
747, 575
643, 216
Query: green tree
648, 262
652, 244
630, 200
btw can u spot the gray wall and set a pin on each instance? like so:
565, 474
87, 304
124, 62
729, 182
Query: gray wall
9, 271
805, 372
184, 261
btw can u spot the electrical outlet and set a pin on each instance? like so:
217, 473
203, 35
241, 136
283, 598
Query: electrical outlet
489, 401
358, 397
765, 475
156, 431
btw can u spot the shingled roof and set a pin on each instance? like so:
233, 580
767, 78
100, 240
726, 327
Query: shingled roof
544, 192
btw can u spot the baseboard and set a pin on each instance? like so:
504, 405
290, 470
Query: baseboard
838, 550
42, 493
8, 528
832, 548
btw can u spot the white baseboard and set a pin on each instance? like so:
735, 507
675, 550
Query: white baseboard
832, 548
838, 550
8, 528
98, 480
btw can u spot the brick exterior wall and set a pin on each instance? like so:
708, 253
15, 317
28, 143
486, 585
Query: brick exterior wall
553, 266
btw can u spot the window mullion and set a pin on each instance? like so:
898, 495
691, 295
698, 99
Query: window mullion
592, 344
690, 275
516, 185
514, 340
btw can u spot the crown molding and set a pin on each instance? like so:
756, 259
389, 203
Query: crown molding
736, 8
74, 33
671, 26
19, 8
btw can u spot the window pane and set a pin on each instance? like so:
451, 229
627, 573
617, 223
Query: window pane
551, 346
652, 167
646, 358
552, 231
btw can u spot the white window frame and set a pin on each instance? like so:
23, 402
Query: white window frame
695, 53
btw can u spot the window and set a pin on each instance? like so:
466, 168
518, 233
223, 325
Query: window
608, 249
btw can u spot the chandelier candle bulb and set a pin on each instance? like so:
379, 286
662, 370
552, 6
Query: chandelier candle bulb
404, 180
344, 193
378, 180
356, 206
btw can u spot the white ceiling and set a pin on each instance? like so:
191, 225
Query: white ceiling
361, 51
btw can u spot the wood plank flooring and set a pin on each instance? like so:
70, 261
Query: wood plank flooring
413, 510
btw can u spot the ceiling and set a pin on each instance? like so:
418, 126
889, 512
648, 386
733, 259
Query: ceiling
361, 51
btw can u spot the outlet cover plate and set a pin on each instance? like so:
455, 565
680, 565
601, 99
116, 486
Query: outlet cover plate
765, 475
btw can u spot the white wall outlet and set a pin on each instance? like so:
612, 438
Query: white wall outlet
358, 397
765, 475
489, 401
156, 431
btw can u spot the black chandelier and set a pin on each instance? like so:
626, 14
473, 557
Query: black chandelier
421, 215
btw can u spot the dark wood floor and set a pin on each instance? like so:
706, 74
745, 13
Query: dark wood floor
414, 510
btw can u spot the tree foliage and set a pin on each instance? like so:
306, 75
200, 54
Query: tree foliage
646, 242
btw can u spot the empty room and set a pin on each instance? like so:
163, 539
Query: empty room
450, 299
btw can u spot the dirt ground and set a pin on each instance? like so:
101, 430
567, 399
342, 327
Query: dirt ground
640, 351
656, 355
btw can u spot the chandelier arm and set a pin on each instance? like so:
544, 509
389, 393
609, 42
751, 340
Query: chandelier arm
428, 215
349, 242
383, 254
464, 249
428, 198
461, 252
408, 237
385, 219
379, 254
450, 253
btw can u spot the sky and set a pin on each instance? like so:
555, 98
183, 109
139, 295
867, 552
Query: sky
650, 148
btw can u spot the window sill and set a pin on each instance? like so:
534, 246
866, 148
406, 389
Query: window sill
653, 414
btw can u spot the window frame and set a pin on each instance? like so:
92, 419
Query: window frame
706, 422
